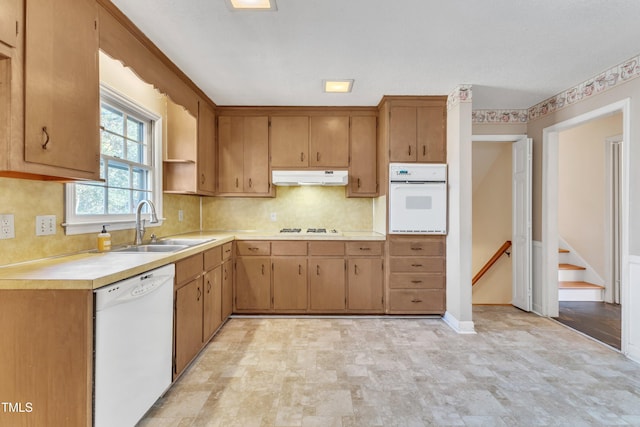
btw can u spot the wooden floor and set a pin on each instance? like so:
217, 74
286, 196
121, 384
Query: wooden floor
598, 320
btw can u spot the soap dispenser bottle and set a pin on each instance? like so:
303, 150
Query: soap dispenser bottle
104, 240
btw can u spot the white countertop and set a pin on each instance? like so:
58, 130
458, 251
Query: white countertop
92, 270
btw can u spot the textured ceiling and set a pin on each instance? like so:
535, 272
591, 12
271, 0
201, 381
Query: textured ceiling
515, 53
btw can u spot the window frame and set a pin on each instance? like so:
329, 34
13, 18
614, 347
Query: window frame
82, 224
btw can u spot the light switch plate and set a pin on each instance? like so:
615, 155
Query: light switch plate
7, 228
45, 225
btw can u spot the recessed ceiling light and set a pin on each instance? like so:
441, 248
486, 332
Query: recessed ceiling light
338, 86
252, 4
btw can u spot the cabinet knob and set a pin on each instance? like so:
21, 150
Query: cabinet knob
46, 135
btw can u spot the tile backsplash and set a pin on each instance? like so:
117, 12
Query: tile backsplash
293, 207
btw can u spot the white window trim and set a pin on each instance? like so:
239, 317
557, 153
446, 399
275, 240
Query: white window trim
92, 224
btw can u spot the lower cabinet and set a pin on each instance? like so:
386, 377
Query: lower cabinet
309, 276
227, 288
327, 291
417, 275
188, 323
199, 293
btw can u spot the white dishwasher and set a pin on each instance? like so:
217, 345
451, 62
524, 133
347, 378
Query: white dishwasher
133, 346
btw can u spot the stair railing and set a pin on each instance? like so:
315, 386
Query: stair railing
503, 249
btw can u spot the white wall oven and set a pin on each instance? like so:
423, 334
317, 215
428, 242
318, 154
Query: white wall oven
417, 198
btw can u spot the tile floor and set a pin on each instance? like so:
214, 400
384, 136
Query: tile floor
518, 370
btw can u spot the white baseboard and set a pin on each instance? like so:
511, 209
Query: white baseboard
465, 327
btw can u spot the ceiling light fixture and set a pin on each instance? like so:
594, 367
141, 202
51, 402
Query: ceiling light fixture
337, 86
252, 4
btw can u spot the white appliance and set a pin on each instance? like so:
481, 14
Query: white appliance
417, 198
310, 177
133, 346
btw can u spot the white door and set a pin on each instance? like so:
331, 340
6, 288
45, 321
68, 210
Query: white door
521, 235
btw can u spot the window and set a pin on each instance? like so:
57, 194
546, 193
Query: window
130, 168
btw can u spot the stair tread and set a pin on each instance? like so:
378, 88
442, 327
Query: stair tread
570, 267
563, 251
578, 285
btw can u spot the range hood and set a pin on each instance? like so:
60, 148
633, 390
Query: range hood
310, 177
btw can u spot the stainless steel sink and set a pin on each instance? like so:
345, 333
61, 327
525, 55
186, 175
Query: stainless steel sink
154, 247
181, 241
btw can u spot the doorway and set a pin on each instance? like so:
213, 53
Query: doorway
588, 228
552, 218
501, 240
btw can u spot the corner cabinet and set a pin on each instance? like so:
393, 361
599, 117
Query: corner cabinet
189, 159
416, 128
243, 156
61, 91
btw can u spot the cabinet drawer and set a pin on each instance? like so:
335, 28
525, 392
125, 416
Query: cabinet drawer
364, 248
212, 258
417, 265
227, 249
189, 268
253, 248
425, 246
425, 301
326, 248
289, 248
416, 281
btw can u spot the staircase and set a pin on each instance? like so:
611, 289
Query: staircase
571, 284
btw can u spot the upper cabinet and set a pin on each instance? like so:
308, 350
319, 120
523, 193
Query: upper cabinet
243, 154
417, 129
54, 72
9, 13
317, 141
289, 141
206, 148
363, 181
329, 141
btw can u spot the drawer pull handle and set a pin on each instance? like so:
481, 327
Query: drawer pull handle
208, 286
250, 183
416, 265
199, 294
317, 270
355, 269
299, 269
416, 300
416, 281
416, 249
237, 183
317, 156
358, 182
365, 249
253, 248
302, 157
409, 150
424, 150
263, 269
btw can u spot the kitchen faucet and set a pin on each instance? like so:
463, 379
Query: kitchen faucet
140, 223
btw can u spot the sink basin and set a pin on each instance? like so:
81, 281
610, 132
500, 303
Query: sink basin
152, 248
185, 241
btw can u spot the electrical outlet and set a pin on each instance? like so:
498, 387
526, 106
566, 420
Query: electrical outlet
7, 229
180, 215
45, 225
273, 216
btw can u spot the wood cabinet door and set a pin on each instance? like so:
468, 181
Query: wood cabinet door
329, 141
256, 154
9, 13
289, 283
365, 284
227, 289
62, 101
431, 125
363, 176
206, 149
327, 284
289, 141
212, 304
253, 283
402, 134
230, 154
188, 323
